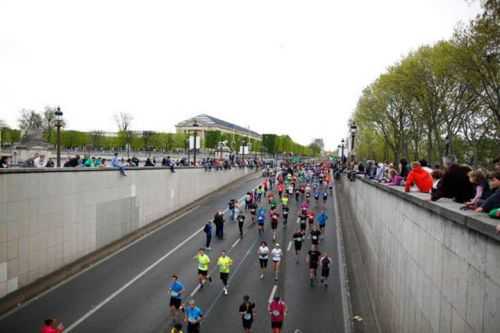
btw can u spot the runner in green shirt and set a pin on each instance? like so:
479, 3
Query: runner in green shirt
203, 263
224, 263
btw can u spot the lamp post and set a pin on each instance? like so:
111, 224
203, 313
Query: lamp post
195, 125
59, 122
354, 130
341, 147
244, 147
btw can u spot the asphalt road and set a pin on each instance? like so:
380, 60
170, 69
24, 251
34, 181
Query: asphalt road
129, 291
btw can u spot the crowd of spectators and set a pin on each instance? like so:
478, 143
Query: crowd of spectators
474, 189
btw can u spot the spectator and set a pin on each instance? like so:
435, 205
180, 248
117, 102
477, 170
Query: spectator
50, 163
40, 161
454, 184
419, 177
4, 162
73, 162
478, 178
115, 163
436, 175
103, 164
52, 326
493, 201
148, 163
380, 171
394, 178
404, 168
425, 166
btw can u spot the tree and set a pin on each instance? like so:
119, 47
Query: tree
96, 139
212, 139
124, 121
30, 120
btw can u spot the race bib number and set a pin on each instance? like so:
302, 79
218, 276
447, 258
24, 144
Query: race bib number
247, 316
276, 313
174, 293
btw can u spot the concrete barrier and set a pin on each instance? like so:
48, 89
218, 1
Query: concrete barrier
51, 218
431, 267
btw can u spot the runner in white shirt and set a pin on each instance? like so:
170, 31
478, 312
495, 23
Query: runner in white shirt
263, 253
276, 255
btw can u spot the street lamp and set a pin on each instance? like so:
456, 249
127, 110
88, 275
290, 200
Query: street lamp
354, 130
341, 147
195, 125
243, 148
59, 123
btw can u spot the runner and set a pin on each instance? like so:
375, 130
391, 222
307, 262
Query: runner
203, 262
177, 328
193, 317
270, 197
253, 211
315, 235
224, 263
241, 221
52, 326
297, 195
313, 259
285, 215
263, 253
281, 189
231, 205
261, 218
208, 234
276, 255
274, 222
248, 200
176, 288
316, 197
303, 221
247, 312
322, 218
325, 262
284, 200
277, 309
310, 218
325, 197
298, 239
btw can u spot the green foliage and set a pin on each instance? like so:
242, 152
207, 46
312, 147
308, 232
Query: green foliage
212, 138
437, 92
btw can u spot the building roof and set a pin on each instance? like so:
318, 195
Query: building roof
205, 120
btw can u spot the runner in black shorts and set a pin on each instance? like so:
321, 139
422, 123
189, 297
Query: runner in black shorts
285, 215
241, 219
315, 235
263, 253
325, 262
274, 223
303, 224
313, 259
253, 211
298, 239
247, 312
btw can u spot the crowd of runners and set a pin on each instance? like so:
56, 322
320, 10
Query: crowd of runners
305, 188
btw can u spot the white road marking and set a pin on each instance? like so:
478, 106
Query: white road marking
275, 287
195, 291
128, 284
289, 246
236, 243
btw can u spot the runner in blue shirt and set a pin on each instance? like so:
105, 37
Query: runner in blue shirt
176, 288
322, 218
261, 218
193, 317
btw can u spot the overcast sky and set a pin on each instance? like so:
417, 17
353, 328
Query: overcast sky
282, 66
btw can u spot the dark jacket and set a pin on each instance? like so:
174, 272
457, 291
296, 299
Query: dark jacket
455, 185
492, 202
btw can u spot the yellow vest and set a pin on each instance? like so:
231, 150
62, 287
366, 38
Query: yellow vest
203, 262
224, 264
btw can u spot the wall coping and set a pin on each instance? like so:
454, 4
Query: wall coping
86, 169
446, 208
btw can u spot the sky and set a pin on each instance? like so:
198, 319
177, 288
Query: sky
276, 66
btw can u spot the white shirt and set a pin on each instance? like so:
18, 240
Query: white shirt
263, 252
276, 254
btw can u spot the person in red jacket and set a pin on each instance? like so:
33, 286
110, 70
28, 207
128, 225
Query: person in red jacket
419, 177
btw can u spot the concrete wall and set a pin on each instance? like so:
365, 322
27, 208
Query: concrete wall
50, 219
431, 267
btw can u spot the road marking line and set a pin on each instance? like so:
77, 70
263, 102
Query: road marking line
275, 287
128, 284
195, 291
236, 243
289, 246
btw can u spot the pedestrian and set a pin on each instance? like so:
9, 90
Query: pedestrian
241, 220
277, 309
263, 253
52, 326
203, 263
247, 312
208, 234
193, 317
219, 225
176, 288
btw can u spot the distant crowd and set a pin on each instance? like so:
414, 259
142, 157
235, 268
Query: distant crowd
476, 189
86, 161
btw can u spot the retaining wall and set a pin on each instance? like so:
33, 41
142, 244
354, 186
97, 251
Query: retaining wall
431, 267
49, 219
